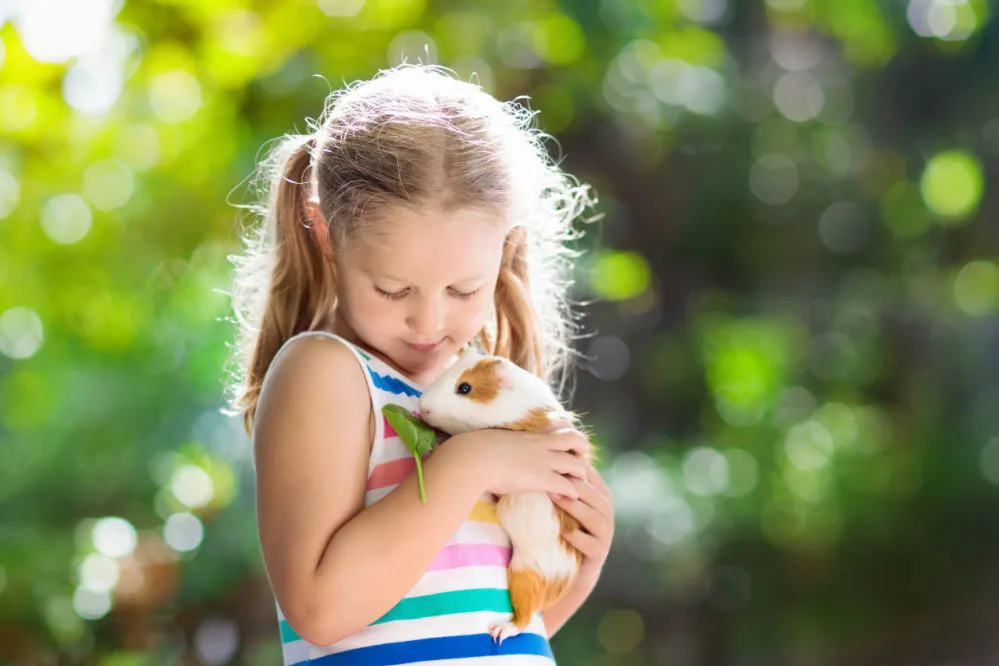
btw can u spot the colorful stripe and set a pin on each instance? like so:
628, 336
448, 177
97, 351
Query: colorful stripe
287, 633
483, 512
391, 473
436, 649
392, 385
387, 429
449, 603
495, 600
460, 555
443, 625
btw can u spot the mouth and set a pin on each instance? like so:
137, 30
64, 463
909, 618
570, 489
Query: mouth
426, 348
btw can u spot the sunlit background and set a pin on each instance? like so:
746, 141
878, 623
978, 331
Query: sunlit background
794, 343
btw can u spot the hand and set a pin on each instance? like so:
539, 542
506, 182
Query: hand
594, 509
514, 462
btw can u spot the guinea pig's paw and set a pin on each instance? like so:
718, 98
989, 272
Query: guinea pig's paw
500, 632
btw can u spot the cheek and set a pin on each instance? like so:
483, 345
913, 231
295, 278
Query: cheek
367, 309
475, 313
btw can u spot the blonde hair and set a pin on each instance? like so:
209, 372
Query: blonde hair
413, 135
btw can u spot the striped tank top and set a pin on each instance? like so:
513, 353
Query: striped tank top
445, 618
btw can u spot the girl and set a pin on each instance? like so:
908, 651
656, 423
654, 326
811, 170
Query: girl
419, 216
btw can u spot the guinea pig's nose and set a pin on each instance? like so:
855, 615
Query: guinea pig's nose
426, 411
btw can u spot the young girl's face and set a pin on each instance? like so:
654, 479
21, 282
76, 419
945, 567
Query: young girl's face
421, 287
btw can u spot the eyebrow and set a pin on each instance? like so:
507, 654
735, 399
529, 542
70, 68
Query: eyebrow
392, 278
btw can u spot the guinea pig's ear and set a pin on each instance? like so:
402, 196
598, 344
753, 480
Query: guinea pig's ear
501, 369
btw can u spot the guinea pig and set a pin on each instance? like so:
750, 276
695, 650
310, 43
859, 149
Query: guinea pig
478, 392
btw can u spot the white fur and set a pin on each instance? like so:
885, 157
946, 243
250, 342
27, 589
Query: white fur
534, 529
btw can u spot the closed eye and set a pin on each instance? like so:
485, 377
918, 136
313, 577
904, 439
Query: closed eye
463, 295
393, 296
398, 295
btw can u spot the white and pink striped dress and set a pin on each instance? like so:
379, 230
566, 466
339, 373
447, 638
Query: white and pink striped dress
444, 619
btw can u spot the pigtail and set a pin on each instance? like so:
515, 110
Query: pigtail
518, 332
301, 292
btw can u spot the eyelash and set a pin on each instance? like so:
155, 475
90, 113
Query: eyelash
460, 295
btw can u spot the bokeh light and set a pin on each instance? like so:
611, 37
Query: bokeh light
192, 486
637, 483
21, 333
705, 471
976, 288
66, 218
19, 108
183, 532
108, 184
98, 573
952, 184
743, 472
989, 460
620, 630
58, 30
114, 537
175, 96
618, 276
341, 8
774, 179
216, 641
799, 96
610, 357
91, 604
10, 193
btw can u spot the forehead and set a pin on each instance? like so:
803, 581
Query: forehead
413, 246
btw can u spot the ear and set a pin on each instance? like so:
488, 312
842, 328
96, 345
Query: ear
501, 370
318, 228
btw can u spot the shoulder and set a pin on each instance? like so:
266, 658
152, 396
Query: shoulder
321, 353
313, 377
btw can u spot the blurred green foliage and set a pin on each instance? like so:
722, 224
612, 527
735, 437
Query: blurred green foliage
793, 354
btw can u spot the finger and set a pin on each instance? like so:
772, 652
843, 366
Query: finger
578, 470
562, 486
587, 544
592, 495
559, 424
590, 520
568, 464
573, 441
597, 480
589, 494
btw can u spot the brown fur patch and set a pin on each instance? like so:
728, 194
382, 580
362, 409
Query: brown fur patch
530, 593
482, 377
538, 419
567, 523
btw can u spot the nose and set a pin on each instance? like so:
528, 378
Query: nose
427, 320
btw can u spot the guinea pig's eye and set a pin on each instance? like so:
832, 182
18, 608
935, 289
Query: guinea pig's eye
464, 388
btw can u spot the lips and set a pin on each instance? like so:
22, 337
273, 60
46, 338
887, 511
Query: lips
425, 348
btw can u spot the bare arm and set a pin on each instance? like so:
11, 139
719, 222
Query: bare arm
556, 615
335, 567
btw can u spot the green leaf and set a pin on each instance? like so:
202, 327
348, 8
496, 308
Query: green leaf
416, 435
